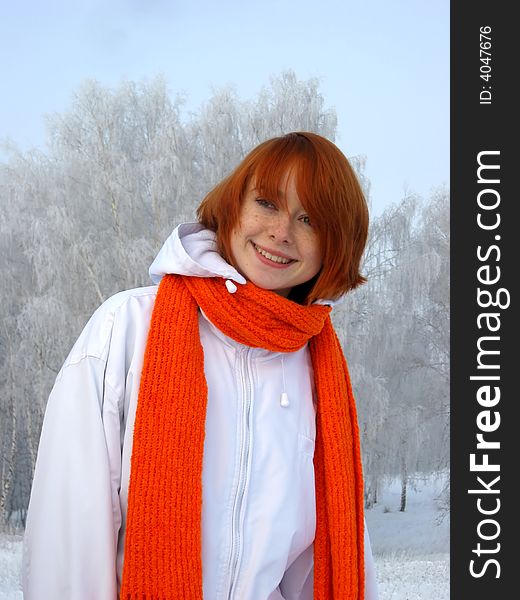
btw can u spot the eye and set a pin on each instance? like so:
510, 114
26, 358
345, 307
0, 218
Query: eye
306, 219
265, 203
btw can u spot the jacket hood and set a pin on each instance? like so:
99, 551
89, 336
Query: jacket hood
192, 250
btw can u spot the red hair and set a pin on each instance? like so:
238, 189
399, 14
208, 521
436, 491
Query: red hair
328, 190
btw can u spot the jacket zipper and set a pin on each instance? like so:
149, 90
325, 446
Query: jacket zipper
236, 541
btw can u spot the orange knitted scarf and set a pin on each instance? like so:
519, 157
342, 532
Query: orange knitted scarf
162, 558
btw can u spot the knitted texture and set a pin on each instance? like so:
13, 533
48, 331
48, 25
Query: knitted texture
162, 559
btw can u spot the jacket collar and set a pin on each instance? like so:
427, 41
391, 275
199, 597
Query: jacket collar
192, 250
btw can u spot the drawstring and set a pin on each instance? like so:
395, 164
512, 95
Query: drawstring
284, 398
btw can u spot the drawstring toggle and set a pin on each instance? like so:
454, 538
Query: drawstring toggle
231, 287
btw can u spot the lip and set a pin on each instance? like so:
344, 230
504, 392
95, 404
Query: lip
270, 263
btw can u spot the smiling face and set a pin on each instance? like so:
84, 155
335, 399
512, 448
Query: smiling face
274, 246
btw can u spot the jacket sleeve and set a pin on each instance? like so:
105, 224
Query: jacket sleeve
371, 591
298, 580
70, 540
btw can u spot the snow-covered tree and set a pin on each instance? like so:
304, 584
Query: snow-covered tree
398, 326
83, 220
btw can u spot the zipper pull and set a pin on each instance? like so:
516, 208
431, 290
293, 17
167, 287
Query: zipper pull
284, 398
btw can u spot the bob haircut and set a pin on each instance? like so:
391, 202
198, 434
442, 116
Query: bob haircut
329, 192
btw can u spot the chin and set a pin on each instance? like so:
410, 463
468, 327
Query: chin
281, 291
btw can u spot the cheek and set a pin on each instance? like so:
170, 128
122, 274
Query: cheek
318, 256
239, 240
249, 228
313, 251
317, 264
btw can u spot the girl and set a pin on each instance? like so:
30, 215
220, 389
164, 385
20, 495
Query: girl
201, 438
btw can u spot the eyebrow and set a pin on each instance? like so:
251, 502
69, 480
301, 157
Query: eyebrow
280, 191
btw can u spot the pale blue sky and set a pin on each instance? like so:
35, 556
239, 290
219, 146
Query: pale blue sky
384, 67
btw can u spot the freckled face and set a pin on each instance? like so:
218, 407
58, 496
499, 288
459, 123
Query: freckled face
274, 247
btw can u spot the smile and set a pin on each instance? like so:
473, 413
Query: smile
280, 260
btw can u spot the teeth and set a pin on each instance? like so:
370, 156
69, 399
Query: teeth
276, 259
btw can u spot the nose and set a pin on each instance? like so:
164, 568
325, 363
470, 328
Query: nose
281, 230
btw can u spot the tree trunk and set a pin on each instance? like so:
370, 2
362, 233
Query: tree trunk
404, 484
370, 494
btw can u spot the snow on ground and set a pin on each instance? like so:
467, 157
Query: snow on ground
411, 549
415, 530
10, 559
402, 576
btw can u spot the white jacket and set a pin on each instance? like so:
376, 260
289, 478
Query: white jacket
258, 511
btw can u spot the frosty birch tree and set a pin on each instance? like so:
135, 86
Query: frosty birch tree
84, 219
397, 342
123, 166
